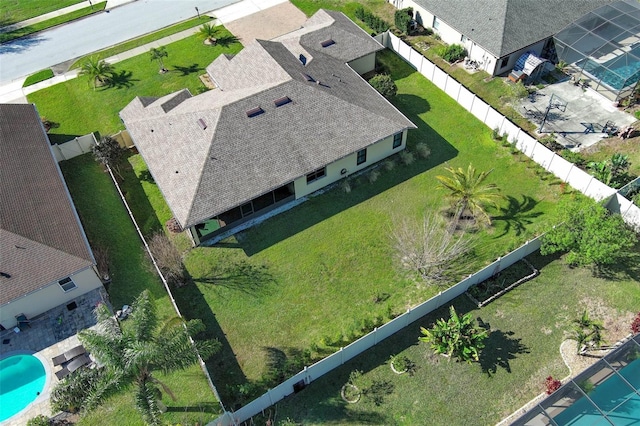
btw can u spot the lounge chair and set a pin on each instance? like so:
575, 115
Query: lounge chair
69, 355
76, 363
23, 321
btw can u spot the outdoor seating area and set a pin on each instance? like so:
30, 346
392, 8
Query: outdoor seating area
69, 355
73, 365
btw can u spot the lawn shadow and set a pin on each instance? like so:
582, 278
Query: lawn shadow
628, 266
240, 276
500, 348
138, 201
120, 80
223, 366
189, 69
517, 214
335, 200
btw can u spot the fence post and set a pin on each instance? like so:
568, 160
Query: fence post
341, 356
375, 335
551, 161
588, 185
407, 321
569, 174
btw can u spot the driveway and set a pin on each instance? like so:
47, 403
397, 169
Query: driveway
267, 24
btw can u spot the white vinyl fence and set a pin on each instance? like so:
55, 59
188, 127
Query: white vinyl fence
74, 147
550, 161
354, 349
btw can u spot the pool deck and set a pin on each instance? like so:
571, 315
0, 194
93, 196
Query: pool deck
51, 333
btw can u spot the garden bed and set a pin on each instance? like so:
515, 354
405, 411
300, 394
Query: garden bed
494, 287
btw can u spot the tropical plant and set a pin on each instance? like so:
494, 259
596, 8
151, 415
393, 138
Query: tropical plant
468, 191
99, 71
157, 54
457, 337
551, 385
403, 19
39, 420
589, 233
619, 169
452, 53
108, 152
208, 32
131, 353
384, 84
635, 325
600, 170
587, 332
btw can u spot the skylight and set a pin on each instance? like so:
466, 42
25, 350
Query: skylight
327, 43
202, 124
282, 101
254, 112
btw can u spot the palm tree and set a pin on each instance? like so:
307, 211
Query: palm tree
469, 191
208, 32
157, 53
457, 337
133, 351
98, 70
588, 333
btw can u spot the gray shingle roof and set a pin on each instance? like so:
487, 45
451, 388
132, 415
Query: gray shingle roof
205, 172
41, 239
505, 26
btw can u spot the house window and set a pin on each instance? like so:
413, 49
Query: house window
436, 23
397, 140
246, 209
67, 284
504, 61
362, 156
313, 176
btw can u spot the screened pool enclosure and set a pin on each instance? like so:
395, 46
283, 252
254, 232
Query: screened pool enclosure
603, 48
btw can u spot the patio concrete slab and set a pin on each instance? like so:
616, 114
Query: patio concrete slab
585, 110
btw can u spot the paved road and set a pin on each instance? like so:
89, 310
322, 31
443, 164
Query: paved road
26, 56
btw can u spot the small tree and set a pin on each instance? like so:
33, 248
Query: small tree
208, 32
384, 85
169, 259
157, 54
551, 385
589, 233
429, 249
99, 71
110, 153
457, 337
403, 19
587, 332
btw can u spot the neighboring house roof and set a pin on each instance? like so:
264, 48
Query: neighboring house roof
208, 156
41, 239
506, 26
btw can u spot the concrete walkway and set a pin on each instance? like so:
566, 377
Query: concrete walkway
13, 92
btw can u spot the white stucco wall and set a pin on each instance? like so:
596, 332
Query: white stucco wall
48, 297
364, 64
375, 153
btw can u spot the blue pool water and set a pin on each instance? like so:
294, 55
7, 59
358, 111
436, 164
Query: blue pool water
22, 378
617, 73
608, 395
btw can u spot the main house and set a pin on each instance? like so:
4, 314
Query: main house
288, 117
497, 32
45, 258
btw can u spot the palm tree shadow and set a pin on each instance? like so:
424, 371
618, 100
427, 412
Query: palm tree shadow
226, 40
517, 215
120, 80
499, 349
241, 276
189, 69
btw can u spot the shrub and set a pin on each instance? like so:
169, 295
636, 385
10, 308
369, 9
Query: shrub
407, 158
375, 23
403, 19
38, 77
389, 164
374, 175
345, 185
384, 85
169, 259
550, 142
573, 157
452, 53
635, 325
39, 420
552, 385
495, 134
423, 150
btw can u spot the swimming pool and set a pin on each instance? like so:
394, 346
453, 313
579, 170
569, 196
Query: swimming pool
22, 378
614, 397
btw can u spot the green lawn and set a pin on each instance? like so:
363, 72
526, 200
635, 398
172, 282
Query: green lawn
527, 325
269, 288
12, 11
148, 38
78, 109
49, 23
108, 226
